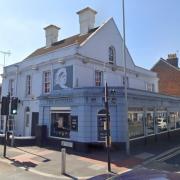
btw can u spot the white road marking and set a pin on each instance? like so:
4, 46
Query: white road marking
144, 155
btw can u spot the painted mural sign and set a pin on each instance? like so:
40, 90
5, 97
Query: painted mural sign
63, 78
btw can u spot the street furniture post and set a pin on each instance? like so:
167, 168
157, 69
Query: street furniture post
5, 136
5, 111
63, 161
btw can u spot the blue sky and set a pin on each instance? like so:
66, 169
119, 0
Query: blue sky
152, 26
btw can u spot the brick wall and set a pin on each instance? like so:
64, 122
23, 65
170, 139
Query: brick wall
169, 78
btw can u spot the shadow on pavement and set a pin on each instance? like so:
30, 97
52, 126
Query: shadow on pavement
26, 165
45, 159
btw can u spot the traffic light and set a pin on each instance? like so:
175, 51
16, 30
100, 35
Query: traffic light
14, 105
5, 105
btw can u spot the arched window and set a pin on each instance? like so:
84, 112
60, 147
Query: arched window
112, 55
27, 117
27, 109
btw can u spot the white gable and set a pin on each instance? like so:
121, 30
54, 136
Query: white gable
96, 46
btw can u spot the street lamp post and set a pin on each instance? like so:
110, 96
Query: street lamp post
125, 81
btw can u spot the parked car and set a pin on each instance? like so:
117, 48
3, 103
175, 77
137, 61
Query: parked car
162, 123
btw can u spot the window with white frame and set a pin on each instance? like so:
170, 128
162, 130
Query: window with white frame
150, 87
98, 78
47, 82
28, 85
2, 123
10, 122
11, 87
127, 81
112, 55
27, 117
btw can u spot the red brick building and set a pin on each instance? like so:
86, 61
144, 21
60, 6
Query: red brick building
169, 75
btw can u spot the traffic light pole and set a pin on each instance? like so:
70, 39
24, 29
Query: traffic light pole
5, 136
12, 137
5, 112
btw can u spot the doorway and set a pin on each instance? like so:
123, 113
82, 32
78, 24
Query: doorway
35, 121
27, 122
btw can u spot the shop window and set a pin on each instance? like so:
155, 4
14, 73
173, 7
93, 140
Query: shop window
150, 122
136, 124
60, 125
172, 120
177, 121
161, 121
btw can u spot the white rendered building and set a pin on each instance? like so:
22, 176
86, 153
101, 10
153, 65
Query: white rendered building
64, 67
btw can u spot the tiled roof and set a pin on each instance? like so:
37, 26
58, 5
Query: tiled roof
167, 63
63, 43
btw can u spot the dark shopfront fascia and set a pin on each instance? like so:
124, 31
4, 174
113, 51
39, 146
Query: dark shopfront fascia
151, 121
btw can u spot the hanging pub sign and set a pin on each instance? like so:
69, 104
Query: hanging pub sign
74, 123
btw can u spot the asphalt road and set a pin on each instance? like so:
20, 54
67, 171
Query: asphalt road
11, 172
146, 174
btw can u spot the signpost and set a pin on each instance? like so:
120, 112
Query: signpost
67, 144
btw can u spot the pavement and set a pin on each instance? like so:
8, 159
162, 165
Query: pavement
46, 162
10, 172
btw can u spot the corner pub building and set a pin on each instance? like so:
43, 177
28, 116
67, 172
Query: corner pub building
61, 88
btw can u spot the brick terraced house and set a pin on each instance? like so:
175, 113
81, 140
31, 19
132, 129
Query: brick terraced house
169, 75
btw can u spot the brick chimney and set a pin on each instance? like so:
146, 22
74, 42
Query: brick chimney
51, 33
173, 59
86, 19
